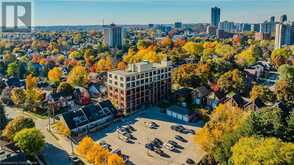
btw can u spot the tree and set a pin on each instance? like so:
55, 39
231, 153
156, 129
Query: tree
246, 57
31, 82
280, 56
194, 49
166, 42
225, 51
121, 65
61, 128
104, 64
65, 89
54, 74
225, 127
78, 76
84, 146
29, 140
18, 96
290, 127
75, 55
34, 98
267, 122
261, 92
12, 69
286, 72
284, 90
253, 150
232, 81
114, 159
16, 125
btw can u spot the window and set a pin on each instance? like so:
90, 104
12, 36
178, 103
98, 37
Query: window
128, 78
121, 79
110, 81
110, 75
115, 77
121, 85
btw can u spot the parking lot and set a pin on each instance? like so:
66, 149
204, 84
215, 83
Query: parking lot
136, 150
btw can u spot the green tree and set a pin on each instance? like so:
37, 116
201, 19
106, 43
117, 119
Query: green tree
290, 127
284, 90
29, 140
261, 92
12, 69
267, 122
16, 125
286, 72
252, 150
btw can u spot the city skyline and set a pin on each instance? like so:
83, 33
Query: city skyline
93, 12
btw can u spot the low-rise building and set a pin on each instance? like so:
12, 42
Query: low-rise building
141, 84
180, 113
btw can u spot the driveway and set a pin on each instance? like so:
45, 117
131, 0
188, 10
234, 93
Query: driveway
53, 152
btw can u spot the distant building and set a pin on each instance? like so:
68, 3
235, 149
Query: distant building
283, 18
141, 84
178, 25
150, 26
292, 33
262, 36
215, 16
211, 30
221, 34
283, 35
114, 36
255, 27
227, 26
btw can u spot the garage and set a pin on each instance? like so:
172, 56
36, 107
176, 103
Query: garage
180, 113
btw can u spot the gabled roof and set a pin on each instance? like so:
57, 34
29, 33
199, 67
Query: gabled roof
202, 91
75, 119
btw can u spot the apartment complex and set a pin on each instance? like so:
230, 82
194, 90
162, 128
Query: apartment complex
141, 84
114, 36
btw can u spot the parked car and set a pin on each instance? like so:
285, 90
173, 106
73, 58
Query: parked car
178, 128
149, 146
169, 146
124, 138
75, 160
180, 138
117, 151
127, 135
121, 131
157, 141
190, 161
172, 142
158, 151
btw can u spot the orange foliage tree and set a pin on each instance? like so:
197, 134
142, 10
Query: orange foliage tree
54, 74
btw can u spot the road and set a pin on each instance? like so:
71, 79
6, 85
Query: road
53, 152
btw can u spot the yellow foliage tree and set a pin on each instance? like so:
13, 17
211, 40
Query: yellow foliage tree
31, 81
78, 76
54, 74
104, 65
114, 159
61, 128
18, 96
84, 146
121, 65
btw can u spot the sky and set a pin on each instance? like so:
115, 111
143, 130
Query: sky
92, 12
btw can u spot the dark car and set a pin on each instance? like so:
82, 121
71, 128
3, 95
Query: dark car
149, 146
158, 151
180, 138
75, 160
158, 141
172, 142
190, 161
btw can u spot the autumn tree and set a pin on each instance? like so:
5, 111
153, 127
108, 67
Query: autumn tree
114, 159
194, 49
75, 55
16, 125
78, 76
226, 51
31, 82
286, 72
65, 89
280, 56
121, 65
55, 74
61, 128
284, 90
85, 145
261, 92
18, 96
29, 140
104, 64
166, 42
232, 81
225, 127
254, 150
246, 57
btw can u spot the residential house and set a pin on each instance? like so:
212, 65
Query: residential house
10, 154
89, 118
243, 103
214, 98
200, 95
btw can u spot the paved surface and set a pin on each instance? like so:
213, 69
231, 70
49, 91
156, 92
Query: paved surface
137, 152
53, 152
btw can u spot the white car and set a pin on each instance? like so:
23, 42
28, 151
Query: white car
169, 146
